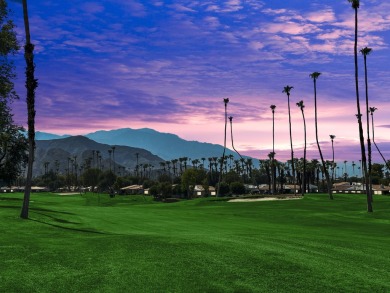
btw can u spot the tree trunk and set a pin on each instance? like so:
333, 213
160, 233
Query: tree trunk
291, 145
368, 129
304, 157
325, 169
31, 85
359, 117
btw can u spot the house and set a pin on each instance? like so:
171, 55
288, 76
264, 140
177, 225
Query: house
380, 189
345, 187
252, 189
199, 191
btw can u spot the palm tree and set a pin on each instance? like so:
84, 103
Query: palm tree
345, 171
302, 106
225, 101
231, 135
273, 107
113, 157
372, 110
332, 137
287, 90
355, 6
31, 85
366, 51
315, 76
109, 155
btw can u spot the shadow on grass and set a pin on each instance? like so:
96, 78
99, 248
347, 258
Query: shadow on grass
67, 228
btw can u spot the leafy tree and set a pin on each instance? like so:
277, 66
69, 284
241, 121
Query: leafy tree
91, 177
192, 177
232, 176
161, 190
106, 180
13, 144
224, 189
237, 188
8, 47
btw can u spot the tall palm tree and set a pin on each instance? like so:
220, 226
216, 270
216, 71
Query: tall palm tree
31, 85
231, 135
315, 76
287, 89
355, 6
366, 51
273, 107
345, 171
302, 106
225, 101
109, 157
332, 137
372, 110
113, 157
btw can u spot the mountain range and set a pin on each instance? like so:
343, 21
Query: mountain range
151, 146
165, 145
60, 153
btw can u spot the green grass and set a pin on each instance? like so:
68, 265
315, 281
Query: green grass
92, 243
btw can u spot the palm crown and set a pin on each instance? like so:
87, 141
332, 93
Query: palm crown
355, 3
315, 75
366, 51
301, 105
287, 89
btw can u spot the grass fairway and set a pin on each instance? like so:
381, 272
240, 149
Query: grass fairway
93, 243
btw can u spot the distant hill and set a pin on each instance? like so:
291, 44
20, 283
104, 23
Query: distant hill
82, 148
165, 145
45, 136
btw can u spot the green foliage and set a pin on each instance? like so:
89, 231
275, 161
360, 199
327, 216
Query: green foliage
224, 189
164, 178
51, 180
232, 176
13, 144
91, 177
8, 46
237, 188
106, 180
161, 190
192, 177
148, 183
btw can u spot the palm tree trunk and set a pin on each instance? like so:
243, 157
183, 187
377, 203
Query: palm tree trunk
327, 177
304, 157
359, 117
291, 145
368, 129
31, 85
223, 154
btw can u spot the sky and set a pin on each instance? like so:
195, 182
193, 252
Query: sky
168, 65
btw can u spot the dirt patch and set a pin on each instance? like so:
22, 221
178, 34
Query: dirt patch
262, 199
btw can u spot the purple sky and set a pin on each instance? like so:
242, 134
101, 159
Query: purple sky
167, 65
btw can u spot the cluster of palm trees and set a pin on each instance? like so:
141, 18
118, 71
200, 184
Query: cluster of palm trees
287, 90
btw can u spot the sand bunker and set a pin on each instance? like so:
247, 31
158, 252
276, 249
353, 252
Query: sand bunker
68, 193
262, 199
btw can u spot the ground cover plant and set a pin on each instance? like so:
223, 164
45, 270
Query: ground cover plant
94, 243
